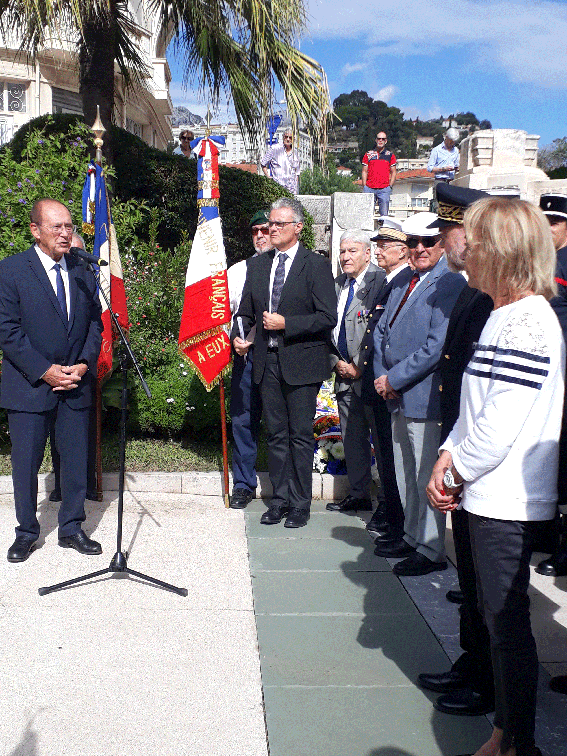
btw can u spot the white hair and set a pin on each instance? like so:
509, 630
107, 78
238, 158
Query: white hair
357, 236
452, 134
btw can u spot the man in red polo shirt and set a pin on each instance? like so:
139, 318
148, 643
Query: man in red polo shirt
379, 172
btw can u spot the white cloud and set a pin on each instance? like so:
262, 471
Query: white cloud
352, 68
386, 93
528, 47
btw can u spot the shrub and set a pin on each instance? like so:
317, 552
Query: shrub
169, 184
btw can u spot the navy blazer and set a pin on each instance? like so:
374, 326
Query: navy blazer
34, 335
309, 304
410, 350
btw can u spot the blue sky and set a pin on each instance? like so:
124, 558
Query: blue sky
505, 60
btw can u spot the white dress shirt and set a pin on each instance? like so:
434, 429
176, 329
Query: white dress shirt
395, 272
48, 263
291, 252
343, 295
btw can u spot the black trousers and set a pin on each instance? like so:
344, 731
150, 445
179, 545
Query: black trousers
288, 418
501, 551
475, 664
28, 433
393, 510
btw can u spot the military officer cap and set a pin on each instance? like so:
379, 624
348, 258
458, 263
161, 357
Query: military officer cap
259, 219
453, 201
390, 230
554, 204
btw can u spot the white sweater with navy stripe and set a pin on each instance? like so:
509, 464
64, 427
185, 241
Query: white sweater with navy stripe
505, 443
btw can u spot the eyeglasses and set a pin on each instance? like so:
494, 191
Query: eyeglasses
260, 230
58, 228
427, 241
279, 224
381, 139
386, 247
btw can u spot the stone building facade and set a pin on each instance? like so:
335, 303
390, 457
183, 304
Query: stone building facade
50, 83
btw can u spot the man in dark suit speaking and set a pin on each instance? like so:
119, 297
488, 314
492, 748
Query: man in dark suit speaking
290, 295
50, 335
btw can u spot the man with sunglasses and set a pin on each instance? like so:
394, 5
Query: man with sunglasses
50, 334
245, 402
379, 173
281, 162
408, 346
290, 296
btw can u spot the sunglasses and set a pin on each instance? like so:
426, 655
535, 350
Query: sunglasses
427, 241
260, 230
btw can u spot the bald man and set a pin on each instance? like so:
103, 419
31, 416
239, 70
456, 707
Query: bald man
50, 334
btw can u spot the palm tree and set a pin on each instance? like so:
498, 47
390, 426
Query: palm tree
243, 47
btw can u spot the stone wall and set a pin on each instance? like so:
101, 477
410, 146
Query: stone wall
335, 214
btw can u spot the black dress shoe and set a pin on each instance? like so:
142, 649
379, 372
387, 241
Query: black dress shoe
464, 703
455, 597
393, 549
20, 550
554, 566
350, 504
81, 543
417, 564
442, 682
240, 498
559, 684
273, 515
296, 518
55, 495
92, 496
387, 535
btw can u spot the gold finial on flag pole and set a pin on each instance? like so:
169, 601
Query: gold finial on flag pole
98, 129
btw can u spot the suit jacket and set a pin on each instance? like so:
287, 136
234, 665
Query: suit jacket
470, 313
401, 279
34, 335
410, 350
561, 271
356, 322
309, 304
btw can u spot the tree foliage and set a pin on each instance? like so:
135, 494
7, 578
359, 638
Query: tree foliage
242, 47
317, 181
553, 157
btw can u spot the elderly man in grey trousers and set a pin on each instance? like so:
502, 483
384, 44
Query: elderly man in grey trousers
408, 345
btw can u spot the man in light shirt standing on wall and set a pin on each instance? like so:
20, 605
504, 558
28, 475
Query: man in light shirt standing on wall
444, 159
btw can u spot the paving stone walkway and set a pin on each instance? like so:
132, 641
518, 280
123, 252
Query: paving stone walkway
342, 641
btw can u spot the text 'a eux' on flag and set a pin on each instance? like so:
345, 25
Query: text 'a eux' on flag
206, 306
97, 222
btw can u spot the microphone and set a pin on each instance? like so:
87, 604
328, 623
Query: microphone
78, 252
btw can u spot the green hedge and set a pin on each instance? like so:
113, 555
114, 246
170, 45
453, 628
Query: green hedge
169, 184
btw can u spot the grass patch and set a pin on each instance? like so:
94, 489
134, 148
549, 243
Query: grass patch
151, 455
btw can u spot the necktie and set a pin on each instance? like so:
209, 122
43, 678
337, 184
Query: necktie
341, 341
279, 279
411, 287
60, 290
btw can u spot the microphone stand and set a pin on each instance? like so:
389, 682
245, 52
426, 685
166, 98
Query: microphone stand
119, 562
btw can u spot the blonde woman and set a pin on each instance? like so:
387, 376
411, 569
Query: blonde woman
501, 458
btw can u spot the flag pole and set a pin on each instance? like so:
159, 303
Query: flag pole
98, 130
226, 485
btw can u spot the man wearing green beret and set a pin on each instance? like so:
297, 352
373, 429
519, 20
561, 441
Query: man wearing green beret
245, 403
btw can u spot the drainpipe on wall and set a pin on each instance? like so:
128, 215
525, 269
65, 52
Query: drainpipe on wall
37, 95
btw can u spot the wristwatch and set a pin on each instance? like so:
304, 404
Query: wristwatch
449, 481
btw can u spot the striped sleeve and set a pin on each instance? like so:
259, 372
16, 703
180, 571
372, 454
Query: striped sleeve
509, 375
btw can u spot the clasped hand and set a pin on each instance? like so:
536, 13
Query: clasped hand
347, 370
241, 346
65, 377
384, 388
442, 498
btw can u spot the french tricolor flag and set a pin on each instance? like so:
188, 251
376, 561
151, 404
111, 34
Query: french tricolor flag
206, 307
97, 221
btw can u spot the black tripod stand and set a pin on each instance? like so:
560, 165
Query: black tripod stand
119, 562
